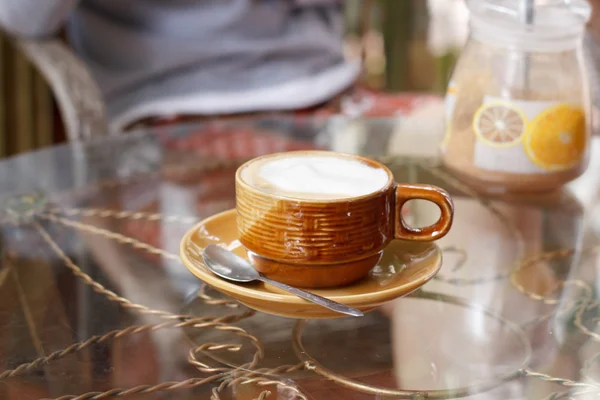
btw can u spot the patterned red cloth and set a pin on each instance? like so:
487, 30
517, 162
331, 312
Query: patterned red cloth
227, 141
390, 104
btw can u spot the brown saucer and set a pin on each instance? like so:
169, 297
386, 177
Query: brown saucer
404, 267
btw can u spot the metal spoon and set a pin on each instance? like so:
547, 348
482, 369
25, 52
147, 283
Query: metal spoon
232, 267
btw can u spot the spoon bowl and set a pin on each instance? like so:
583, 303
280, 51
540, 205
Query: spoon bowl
228, 265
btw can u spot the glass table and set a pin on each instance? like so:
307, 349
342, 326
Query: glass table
95, 304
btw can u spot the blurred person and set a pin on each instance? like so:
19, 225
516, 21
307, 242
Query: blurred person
163, 58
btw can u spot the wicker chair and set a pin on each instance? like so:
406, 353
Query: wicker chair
78, 97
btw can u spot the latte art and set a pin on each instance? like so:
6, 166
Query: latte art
315, 176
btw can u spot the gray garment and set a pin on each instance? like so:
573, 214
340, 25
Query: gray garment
154, 51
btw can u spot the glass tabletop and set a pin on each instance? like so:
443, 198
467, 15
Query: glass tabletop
96, 304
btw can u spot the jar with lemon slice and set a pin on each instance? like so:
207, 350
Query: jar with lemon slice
517, 108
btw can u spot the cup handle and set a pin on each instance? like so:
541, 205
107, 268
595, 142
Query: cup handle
406, 192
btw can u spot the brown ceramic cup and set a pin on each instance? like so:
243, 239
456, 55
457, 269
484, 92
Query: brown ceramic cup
315, 243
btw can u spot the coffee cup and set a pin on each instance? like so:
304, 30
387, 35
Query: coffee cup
322, 219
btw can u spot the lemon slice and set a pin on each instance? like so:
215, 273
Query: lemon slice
556, 138
499, 124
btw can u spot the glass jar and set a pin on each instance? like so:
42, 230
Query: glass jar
518, 105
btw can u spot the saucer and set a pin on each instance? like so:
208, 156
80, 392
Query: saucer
404, 267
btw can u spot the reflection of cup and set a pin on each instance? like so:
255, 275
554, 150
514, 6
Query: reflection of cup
322, 219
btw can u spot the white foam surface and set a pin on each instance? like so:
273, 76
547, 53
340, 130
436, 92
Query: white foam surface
323, 175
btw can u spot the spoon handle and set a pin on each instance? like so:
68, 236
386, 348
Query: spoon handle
330, 304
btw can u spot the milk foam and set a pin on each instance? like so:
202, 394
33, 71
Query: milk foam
319, 177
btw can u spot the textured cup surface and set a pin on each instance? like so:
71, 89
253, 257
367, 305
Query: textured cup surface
301, 231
